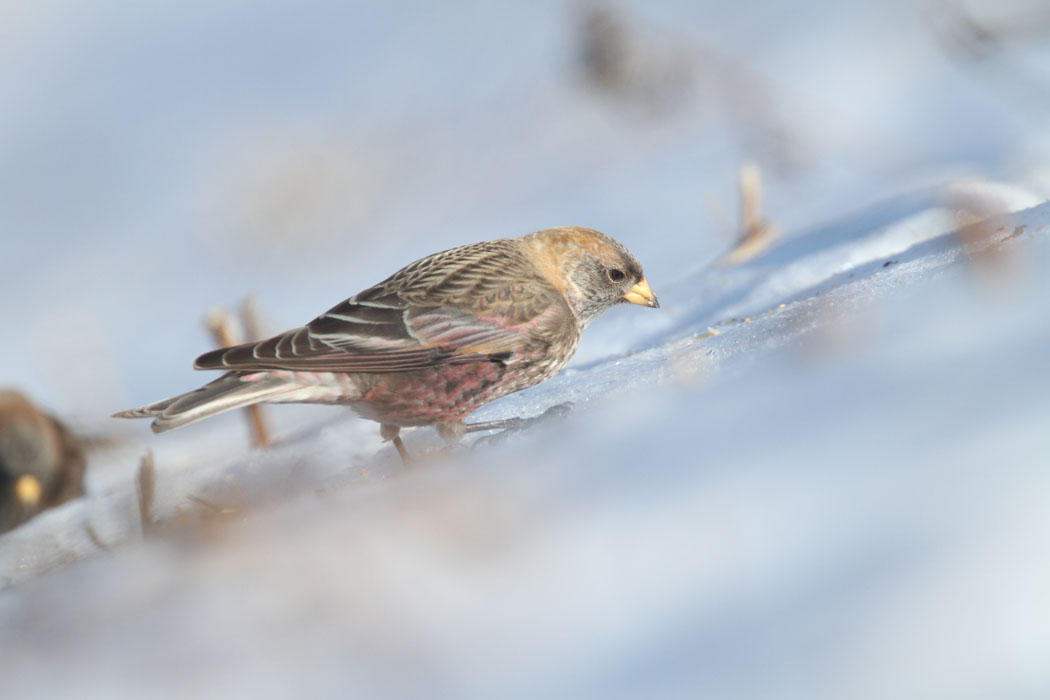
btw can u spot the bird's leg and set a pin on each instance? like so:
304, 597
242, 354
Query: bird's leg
451, 433
391, 432
400, 446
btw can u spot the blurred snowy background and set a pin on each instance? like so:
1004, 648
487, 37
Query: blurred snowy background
821, 473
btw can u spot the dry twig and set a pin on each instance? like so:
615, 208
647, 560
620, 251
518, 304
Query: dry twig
221, 327
145, 485
95, 539
756, 233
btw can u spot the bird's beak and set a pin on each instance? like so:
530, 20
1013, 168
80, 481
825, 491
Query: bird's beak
643, 296
28, 490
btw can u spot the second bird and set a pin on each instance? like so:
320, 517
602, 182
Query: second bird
435, 340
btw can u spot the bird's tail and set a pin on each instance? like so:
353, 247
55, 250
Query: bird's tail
230, 391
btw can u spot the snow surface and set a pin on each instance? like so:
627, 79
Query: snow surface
820, 474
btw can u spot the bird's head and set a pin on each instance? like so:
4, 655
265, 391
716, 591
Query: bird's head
591, 269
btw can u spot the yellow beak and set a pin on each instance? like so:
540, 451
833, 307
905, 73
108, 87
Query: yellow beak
28, 490
641, 294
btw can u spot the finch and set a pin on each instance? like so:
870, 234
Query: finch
435, 340
41, 463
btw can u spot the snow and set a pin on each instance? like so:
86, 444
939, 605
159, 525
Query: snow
818, 474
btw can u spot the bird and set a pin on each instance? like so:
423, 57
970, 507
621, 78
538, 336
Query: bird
433, 342
41, 462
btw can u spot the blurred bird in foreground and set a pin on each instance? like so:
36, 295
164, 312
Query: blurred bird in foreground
434, 341
41, 463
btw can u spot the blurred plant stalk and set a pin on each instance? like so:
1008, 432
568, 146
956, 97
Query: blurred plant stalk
756, 233
220, 325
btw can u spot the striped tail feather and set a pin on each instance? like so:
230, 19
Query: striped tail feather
224, 394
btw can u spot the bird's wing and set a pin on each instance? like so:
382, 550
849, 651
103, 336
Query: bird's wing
479, 302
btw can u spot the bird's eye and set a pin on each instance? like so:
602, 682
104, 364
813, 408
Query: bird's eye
617, 275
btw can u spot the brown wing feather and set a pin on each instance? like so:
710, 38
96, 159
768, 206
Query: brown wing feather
476, 302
